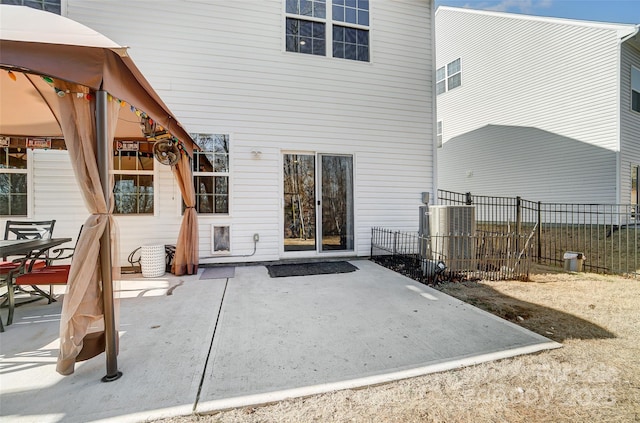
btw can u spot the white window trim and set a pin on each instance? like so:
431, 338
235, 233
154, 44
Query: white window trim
30, 190
444, 79
447, 76
31, 212
228, 174
154, 173
632, 89
329, 22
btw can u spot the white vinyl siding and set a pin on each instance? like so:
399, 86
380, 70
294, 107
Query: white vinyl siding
55, 193
525, 76
221, 67
629, 121
529, 162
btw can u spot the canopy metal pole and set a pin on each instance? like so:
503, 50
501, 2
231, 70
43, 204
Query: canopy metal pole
103, 152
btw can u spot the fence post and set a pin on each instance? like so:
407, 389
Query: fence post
373, 234
395, 243
519, 215
468, 199
518, 221
539, 231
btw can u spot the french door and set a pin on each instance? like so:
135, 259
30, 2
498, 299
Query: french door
318, 202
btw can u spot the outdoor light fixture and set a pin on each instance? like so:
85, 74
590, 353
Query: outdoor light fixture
256, 153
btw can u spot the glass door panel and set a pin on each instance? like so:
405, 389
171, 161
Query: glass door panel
337, 202
299, 180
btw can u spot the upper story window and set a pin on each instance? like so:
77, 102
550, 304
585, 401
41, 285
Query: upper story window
306, 37
351, 11
133, 175
635, 89
448, 77
439, 134
52, 6
211, 173
339, 26
13, 178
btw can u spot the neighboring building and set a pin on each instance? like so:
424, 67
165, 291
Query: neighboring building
316, 119
544, 108
53, 6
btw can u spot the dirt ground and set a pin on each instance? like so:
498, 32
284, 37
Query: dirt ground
595, 377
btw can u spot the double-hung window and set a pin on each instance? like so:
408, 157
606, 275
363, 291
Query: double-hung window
306, 28
339, 28
635, 89
133, 174
13, 178
211, 173
441, 80
448, 77
351, 29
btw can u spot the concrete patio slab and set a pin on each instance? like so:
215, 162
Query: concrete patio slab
295, 336
164, 343
274, 338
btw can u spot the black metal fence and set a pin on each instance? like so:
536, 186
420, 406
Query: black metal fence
608, 235
431, 259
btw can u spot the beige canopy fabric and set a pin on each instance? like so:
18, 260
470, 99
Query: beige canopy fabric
82, 308
74, 58
51, 45
37, 113
97, 69
183, 260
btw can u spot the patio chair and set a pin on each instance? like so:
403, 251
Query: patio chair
49, 274
18, 229
15, 229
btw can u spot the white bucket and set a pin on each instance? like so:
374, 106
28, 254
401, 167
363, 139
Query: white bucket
152, 260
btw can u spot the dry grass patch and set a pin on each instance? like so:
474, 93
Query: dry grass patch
594, 377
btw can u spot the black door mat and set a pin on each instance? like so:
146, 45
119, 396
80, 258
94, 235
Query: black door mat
305, 269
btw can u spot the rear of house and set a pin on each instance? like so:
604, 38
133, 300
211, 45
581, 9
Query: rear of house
537, 107
316, 121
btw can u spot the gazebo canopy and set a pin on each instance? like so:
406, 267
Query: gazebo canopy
36, 44
60, 78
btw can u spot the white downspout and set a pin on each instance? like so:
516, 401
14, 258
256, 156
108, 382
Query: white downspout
434, 114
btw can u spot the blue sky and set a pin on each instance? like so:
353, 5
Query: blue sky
620, 11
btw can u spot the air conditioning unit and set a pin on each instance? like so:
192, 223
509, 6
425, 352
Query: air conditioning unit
452, 230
